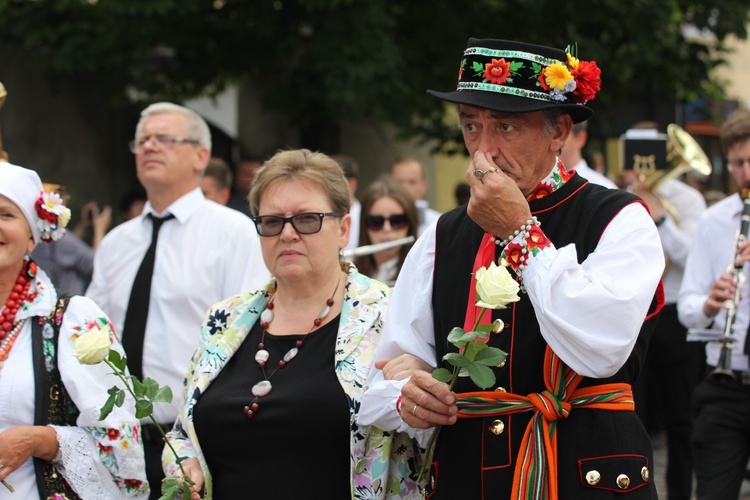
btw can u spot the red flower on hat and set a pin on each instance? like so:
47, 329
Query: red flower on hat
461, 69
497, 71
542, 80
588, 81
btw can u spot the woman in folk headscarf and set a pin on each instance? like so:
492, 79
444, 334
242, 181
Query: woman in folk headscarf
52, 443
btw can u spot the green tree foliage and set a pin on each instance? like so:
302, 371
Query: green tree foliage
327, 62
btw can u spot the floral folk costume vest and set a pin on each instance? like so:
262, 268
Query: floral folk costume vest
52, 404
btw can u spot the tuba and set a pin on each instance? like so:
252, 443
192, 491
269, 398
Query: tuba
723, 370
683, 155
676, 151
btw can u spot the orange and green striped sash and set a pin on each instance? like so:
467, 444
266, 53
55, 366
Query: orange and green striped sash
535, 476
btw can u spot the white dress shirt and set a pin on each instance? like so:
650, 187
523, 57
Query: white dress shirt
427, 216
677, 235
592, 175
710, 257
589, 313
356, 212
206, 254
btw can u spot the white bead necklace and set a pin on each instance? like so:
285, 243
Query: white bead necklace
264, 387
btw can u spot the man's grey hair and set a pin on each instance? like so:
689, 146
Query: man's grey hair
550, 119
196, 129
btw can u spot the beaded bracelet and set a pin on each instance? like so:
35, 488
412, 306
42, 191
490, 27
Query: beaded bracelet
523, 231
516, 253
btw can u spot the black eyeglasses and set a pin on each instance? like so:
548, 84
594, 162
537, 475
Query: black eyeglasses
304, 223
376, 222
161, 140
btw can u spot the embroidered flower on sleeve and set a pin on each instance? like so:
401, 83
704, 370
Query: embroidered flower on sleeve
537, 239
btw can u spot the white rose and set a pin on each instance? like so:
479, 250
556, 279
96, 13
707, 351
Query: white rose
64, 218
496, 288
92, 347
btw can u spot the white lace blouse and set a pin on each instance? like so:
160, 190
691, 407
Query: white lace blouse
100, 459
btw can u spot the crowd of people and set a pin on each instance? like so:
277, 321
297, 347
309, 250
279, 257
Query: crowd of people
290, 319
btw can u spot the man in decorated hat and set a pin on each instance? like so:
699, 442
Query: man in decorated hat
558, 421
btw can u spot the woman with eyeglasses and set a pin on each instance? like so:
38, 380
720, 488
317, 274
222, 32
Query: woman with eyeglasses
272, 394
388, 214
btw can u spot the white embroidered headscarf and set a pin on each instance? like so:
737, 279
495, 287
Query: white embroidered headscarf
45, 212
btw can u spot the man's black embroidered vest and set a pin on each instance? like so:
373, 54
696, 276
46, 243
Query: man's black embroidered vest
469, 458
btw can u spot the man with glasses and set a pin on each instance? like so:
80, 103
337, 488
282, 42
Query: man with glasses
720, 437
205, 253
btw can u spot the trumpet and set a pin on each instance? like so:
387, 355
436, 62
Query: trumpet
375, 248
723, 370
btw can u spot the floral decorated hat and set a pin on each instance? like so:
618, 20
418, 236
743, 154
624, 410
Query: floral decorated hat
45, 212
517, 77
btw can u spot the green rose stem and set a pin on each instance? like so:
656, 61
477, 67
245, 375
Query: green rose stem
10, 488
433, 438
124, 379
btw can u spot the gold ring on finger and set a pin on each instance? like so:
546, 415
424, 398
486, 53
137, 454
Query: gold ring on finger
414, 410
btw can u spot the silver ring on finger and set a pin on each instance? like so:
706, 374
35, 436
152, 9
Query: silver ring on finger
2, 467
479, 174
414, 410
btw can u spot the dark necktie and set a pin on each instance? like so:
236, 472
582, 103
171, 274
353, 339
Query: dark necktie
134, 329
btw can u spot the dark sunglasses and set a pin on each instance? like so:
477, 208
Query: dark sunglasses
304, 223
376, 222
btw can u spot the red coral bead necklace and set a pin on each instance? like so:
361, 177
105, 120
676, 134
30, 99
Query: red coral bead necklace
263, 387
9, 327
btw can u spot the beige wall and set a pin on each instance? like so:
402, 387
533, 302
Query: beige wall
737, 71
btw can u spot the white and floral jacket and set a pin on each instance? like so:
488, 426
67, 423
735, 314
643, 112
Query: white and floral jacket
383, 464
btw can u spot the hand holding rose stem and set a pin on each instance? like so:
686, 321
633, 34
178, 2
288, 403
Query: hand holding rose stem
92, 348
495, 288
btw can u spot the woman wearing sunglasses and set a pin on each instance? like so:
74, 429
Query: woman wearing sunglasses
272, 394
388, 213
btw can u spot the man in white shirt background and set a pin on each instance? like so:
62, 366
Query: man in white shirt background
410, 172
205, 253
350, 167
216, 182
572, 156
721, 434
673, 366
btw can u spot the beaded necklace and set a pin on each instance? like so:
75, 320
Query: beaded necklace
9, 327
263, 387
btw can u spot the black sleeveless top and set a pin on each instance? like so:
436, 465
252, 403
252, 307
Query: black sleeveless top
297, 445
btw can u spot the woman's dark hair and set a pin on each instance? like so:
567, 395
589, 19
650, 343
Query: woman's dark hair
385, 186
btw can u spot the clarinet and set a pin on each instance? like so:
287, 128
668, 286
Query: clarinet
723, 371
